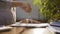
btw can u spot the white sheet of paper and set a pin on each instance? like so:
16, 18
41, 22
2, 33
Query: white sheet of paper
4, 28
31, 25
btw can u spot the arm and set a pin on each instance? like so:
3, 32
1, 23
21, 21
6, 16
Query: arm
24, 6
15, 4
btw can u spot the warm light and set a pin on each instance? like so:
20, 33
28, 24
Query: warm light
38, 31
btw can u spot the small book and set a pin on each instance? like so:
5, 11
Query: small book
56, 24
54, 29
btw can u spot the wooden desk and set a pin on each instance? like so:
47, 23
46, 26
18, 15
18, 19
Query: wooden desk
7, 31
14, 30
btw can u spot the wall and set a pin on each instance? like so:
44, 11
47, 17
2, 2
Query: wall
21, 14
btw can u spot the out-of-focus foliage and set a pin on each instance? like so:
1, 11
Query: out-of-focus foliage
48, 8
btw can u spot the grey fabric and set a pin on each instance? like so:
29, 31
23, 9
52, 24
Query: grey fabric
5, 4
6, 17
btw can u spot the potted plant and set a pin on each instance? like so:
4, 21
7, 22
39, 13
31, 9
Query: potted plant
50, 9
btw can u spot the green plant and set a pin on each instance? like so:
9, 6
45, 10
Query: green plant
48, 8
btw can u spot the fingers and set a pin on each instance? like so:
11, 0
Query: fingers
27, 8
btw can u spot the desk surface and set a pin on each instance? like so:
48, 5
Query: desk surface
37, 31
